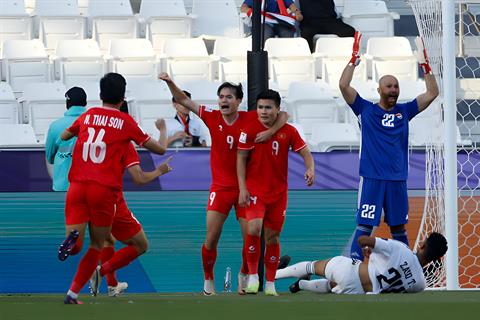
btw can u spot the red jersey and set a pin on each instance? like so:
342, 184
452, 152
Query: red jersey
223, 153
267, 165
104, 136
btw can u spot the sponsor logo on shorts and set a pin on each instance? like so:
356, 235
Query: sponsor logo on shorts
243, 137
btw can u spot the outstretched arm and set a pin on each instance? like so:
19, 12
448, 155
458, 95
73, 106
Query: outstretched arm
348, 92
426, 98
178, 94
154, 146
244, 195
142, 177
309, 165
279, 123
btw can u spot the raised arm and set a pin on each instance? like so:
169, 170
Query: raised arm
309, 166
178, 94
142, 177
426, 98
244, 195
279, 123
348, 92
162, 127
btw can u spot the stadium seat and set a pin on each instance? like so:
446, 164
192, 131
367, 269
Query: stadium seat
42, 103
203, 92
111, 19
409, 90
187, 59
78, 61
149, 101
372, 18
14, 135
30, 6
391, 55
329, 136
331, 55
25, 61
230, 58
16, 23
163, 20
218, 18
289, 60
8, 105
83, 7
311, 104
134, 59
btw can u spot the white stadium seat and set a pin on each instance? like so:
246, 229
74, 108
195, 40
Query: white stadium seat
187, 59
78, 61
16, 23
149, 101
372, 18
165, 19
43, 103
216, 18
111, 19
392, 55
25, 61
328, 136
230, 56
134, 59
332, 55
203, 92
8, 105
92, 89
14, 135
289, 60
58, 20
311, 104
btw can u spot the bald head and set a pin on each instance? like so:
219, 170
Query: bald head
389, 90
386, 79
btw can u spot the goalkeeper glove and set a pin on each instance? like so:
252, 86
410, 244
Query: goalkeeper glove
355, 60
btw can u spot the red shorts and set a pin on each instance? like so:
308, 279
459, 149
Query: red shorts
272, 210
223, 200
90, 202
125, 225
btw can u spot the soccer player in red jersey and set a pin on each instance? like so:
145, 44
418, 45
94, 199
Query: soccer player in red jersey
104, 134
224, 126
262, 178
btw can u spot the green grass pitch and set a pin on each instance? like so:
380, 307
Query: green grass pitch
432, 305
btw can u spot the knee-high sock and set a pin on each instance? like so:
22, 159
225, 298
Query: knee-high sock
244, 268
252, 244
120, 259
85, 269
318, 285
298, 270
272, 253
106, 254
208, 259
401, 236
355, 250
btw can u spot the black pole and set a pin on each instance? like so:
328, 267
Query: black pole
257, 77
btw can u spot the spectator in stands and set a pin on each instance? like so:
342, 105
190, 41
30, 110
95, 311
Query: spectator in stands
320, 17
184, 130
57, 151
278, 21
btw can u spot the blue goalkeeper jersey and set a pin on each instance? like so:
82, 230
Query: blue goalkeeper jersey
384, 148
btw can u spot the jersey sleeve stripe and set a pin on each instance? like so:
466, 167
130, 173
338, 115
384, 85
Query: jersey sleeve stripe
132, 164
298, 149
245, 148
142, 143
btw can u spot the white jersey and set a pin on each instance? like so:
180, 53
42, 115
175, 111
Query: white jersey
393, 267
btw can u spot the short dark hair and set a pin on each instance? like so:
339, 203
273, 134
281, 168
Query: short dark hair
75, 96
435, 246
237, 88
270, 95
112, 88
188, 94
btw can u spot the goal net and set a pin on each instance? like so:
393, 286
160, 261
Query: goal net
464, 41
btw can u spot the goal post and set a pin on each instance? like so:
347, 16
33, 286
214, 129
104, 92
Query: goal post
452, 183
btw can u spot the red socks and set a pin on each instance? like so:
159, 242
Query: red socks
244, 268
272, 253
85, 269
208, 259
77, 248
105, 255
252, 247
120, 259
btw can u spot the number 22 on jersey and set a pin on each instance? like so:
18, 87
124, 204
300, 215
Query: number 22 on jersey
95, 150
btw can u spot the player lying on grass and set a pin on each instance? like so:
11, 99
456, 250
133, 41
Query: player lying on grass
391, 268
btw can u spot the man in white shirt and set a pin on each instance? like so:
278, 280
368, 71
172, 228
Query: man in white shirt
185, 130
391, 268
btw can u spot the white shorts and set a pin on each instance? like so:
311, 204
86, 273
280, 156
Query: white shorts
344, 272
